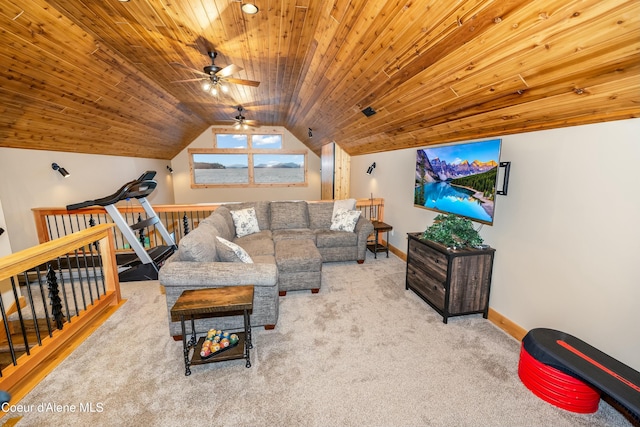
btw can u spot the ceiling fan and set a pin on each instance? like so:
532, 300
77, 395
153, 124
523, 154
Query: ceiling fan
213, 77
241, 121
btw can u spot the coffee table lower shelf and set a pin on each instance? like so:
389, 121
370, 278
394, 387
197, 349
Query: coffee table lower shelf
238, 351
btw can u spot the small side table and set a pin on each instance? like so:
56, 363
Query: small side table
376, 246
209, 302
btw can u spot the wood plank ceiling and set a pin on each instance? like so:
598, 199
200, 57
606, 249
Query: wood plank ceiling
99, 76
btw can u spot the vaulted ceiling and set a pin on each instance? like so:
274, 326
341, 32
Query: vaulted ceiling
100, 76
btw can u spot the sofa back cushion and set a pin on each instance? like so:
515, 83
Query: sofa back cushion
225, 213
219, 222
261, 208
199, 244
320, 214
286, 215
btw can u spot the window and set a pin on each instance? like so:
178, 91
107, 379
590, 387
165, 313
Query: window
247, 159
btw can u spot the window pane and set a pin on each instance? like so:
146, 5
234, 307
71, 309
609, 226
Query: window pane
220, 168
277, 168
266, 141
226, 140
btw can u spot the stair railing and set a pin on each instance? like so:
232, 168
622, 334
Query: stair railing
52, 294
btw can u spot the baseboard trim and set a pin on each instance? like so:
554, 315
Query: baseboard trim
511, 328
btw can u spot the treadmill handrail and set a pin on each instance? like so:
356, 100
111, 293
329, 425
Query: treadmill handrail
138, 188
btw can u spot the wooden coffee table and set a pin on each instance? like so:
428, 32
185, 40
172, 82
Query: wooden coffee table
210, 302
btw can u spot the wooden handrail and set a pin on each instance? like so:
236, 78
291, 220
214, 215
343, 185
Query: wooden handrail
41, 214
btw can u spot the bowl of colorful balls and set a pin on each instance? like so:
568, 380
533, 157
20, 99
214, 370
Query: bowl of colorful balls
216, 342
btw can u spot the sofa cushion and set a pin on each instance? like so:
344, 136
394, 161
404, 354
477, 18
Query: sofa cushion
344, 220
298, 256
287, 215
295, 234
262, 211
264, 259
320, 214
219, 222
230, 252
226, 214
255, 247
330, 239
199, 244
245, 221
260, 235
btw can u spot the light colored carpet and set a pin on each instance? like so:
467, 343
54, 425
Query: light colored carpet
362, 352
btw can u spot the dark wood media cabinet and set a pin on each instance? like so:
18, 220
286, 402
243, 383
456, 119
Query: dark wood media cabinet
453, 282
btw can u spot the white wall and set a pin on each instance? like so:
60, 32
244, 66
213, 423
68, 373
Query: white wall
27, 181
566, 235
185, 194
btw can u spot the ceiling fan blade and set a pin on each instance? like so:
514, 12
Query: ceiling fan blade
242, 82
188, 80
177, 64
228, 70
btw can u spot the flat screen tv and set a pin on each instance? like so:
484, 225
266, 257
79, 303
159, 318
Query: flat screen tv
459, 179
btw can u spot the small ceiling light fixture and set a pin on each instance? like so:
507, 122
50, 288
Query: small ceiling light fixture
169, 169
62, 171
249, 8
371, 168
123, 1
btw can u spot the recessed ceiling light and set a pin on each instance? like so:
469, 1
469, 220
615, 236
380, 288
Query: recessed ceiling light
249, 8
123, 1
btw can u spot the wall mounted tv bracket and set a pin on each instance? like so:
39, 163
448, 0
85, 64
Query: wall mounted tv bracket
505, 178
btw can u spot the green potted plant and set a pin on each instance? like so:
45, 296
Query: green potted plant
453, 231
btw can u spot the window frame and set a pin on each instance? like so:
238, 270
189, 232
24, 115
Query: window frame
249, 151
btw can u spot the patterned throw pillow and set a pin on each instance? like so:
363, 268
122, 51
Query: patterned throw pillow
344, 220
245, 221
343, 205
240, 254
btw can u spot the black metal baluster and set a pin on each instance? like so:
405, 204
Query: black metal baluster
44, 303
54, 297
64, 225
101, 268
7, 333
6, 326
93, 257
48, 218
64, 288
86, 269
185, 224
34, 315
20, 317
73, 288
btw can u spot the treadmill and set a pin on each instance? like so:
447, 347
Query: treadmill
144, 264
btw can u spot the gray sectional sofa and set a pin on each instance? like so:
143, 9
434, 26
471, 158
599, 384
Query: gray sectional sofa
286, 248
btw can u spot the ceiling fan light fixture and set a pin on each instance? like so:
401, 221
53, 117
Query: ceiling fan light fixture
206, 86
214, 91
249, 8
224, 88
